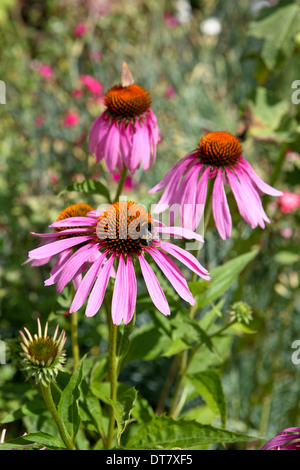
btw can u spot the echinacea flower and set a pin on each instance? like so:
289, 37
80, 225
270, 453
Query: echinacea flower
288, 439
71, 119
126, 133
289, 202
124, 233
218, 157
74, 210
43, 356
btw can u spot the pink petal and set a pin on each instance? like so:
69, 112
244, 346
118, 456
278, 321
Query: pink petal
72, 267
201, 195
112, 147
119, 306
98, 292
154, 288
184, 257
86, 284
74, 221
132, 293
56, 247
220, 208
173, 274
261, 185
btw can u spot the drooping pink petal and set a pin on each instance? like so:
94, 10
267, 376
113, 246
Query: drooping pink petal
146, 154
220, 208
178, 168
173, 274
112, 147
261, 185
56, 273
97, 294
247, 203
72, 267
154, 288
132, 293
61, 260
125, 142
86, 284
56, 247
201, 196
119, 306
137, 147
184, 257
94, 134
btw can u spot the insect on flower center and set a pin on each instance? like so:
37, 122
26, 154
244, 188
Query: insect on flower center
219, 149
127, 101
125, 228
75, 210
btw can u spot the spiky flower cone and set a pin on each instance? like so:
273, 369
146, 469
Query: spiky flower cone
43, 356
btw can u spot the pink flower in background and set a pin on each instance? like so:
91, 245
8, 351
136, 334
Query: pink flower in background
80, 30
77, 93
96, 56
288, 439
219, 158
129, 184
126, 134
91, 84
170, 92
289, 202
46, 71
286, 232
115, 237
170, 20
39, 121
71, 119
53, 178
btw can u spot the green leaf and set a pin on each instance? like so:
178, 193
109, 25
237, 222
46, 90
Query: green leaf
208, 384
123, 339
123, 407
278, 28
68, 404
34, 439
222, 277
166, 433
89, 187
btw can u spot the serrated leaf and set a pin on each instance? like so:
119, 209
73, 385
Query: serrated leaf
68, 403
123, 407
208, 384
89, 187
222, 277
278, 28
167, 433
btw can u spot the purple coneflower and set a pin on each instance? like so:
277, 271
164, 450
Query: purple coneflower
126, 134
288, 439
123, 233
218, 157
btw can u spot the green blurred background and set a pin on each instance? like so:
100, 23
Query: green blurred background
235, 74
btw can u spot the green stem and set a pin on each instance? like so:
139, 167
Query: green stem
121, 183
74, 335
113, 375
47, 395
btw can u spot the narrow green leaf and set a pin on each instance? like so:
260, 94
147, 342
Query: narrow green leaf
88, 187
34, 439
222, 277
68, 404
166, 433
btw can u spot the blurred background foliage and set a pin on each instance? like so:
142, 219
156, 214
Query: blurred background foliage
235, 74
